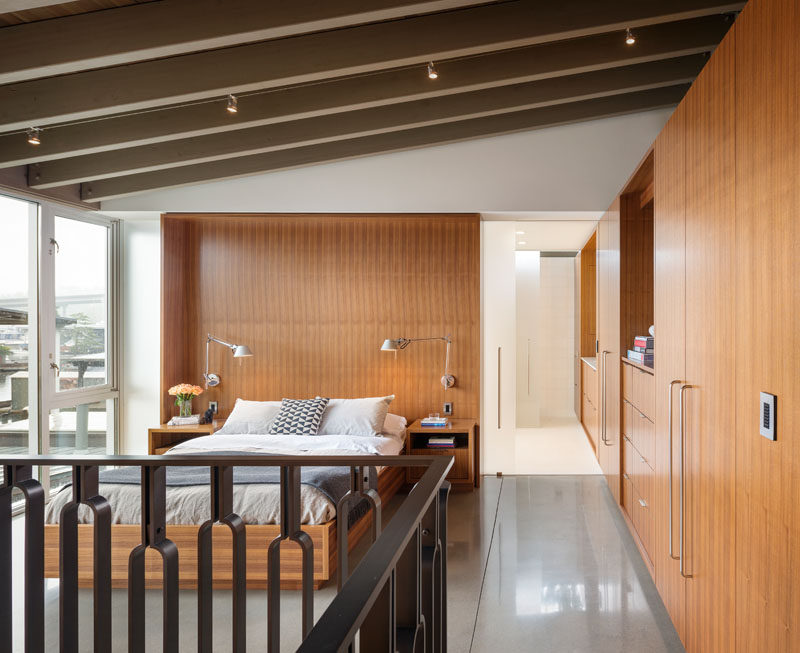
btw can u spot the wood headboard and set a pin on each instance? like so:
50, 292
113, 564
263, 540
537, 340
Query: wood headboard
314, 296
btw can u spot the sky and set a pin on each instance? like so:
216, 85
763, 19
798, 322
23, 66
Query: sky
80, 262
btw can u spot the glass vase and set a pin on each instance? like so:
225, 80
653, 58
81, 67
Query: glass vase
185, 407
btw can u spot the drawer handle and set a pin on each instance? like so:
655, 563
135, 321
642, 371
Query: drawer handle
643, 459
643, 503
626, 477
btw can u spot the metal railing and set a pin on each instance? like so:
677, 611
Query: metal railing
395, 599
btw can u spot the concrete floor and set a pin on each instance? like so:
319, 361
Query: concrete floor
536, 563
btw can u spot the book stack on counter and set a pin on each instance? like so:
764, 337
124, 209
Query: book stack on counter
642, 351
441, 442
434, 422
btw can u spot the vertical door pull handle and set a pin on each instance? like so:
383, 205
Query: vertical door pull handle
682, 525
669, 429
499, 349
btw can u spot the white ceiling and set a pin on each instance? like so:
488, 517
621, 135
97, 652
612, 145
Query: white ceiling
554, 235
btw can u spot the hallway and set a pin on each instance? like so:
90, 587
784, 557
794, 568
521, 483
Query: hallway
546, 564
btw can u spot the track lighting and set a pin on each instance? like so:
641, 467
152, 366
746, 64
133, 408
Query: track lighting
432, 74
630, 39
233, 104
34, 136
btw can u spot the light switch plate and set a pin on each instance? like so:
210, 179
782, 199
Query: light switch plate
213, 406
448, 408
767, 416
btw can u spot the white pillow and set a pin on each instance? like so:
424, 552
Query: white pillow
364, 416
395, 425
251, 418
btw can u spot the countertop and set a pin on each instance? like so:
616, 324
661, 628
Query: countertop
591, 361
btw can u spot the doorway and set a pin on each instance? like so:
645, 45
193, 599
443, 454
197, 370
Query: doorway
529, 347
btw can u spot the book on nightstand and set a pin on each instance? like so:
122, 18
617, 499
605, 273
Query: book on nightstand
442, 442
436, 422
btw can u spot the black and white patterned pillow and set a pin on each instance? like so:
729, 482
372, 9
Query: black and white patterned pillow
299, 416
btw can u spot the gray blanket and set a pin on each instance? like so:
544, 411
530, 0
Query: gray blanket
333, 482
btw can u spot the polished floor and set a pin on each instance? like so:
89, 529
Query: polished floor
536, 563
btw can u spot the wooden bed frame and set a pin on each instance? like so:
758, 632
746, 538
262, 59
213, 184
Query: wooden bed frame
124, 537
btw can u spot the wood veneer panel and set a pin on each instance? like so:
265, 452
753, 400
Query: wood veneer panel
767, 338
710, 331
588, 307
314, 297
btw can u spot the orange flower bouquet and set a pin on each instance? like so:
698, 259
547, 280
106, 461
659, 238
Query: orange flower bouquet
184, 393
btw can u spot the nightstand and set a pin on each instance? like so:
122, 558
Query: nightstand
165, 437
464, 473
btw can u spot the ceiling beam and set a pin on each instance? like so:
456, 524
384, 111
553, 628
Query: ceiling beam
172, 27
323, 55
352, 124
485, 71
105, 189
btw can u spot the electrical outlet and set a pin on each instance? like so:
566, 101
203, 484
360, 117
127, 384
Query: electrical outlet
767, 416
448, 408
213, 406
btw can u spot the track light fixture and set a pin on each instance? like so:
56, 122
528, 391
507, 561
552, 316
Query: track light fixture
34, 136
233, 104
432, 74
630, 39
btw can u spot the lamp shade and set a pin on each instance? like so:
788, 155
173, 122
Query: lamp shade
241, 351
389, 345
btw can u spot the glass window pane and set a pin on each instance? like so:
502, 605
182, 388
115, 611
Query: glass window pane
81, 290
85, 429
17, 238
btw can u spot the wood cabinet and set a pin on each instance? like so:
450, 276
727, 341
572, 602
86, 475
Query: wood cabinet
589, 412
608, 357
709, 429
462, 474
163, 438
767, 338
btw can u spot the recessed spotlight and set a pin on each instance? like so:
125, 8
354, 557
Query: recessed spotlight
432, 74
233, 104
630, 39
35, 136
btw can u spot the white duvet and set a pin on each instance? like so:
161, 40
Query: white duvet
255, 504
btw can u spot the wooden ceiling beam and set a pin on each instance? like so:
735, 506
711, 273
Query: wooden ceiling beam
352, 124
527, 119
168, 28
323, 55
485, 71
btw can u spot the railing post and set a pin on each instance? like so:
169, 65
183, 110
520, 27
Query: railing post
409, 619
441, 620
291, 529
154, 536
21, 477
430, 577
221, 512
356, 493
85, 490
378, 632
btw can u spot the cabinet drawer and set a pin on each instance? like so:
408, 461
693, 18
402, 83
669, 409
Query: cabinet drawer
640, 431
589, 382
460, 471
640, 512
638, 388
589, 417
635, 466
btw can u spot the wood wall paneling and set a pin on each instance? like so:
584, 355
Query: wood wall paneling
314, 297
636, 268
710, 296
670, 357
767, 339
588, 293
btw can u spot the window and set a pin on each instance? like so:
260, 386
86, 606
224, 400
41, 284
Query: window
58, 388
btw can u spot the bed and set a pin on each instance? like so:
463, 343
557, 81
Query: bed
257, 503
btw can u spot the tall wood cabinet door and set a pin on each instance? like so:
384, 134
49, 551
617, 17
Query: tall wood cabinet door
767, 337
613, 373
579, 326
710, 295
669, 223
602, 312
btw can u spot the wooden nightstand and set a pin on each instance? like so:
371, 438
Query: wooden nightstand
464, 473
164, 437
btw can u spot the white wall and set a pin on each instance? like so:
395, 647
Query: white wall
555, 373
141, 334
577, 167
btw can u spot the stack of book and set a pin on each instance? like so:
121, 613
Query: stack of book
642, 351
441, 442
434, 422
